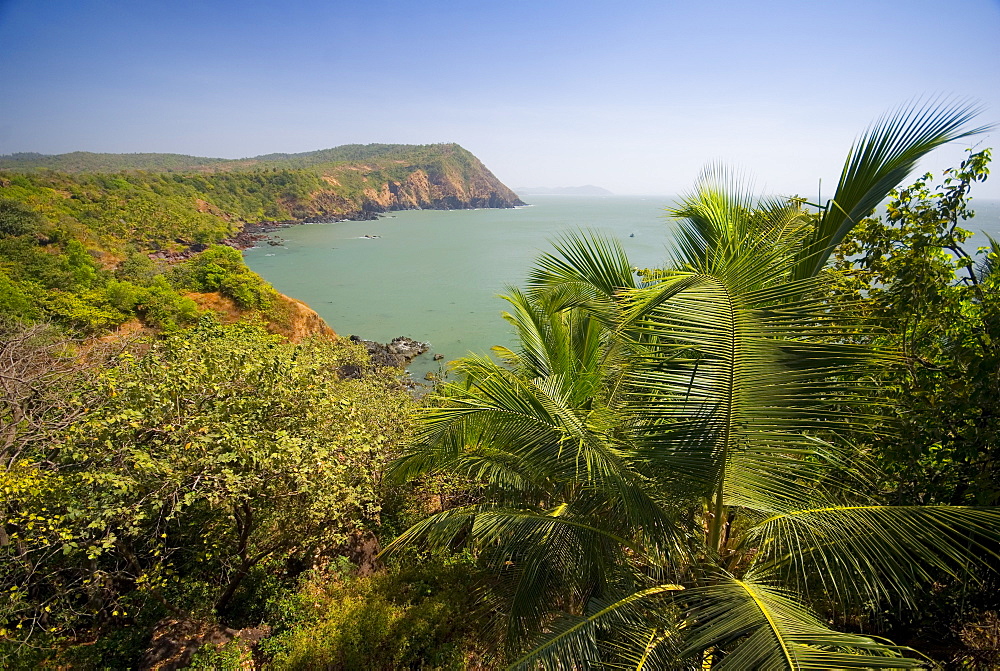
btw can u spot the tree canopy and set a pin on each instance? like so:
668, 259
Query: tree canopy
667, 478
186, 462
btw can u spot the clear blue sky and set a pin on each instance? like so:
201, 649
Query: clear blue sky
632, 96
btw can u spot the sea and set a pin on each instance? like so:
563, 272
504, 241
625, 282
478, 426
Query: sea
437, 276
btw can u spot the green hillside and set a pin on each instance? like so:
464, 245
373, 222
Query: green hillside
82, 161
85, 161
77, 230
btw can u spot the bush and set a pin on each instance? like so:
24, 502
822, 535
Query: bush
17, 300
18, 219
413, 617
222, 269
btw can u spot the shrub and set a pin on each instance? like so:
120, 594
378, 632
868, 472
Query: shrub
414, 617
222, 269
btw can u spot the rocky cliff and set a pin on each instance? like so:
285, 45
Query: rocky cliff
446, 192
293, 319
349, 182
440, 177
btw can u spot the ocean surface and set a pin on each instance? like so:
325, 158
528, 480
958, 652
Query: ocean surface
435, 275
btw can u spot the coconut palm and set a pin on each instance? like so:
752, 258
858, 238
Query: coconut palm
666, 485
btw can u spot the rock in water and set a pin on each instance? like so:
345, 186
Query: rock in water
398, 353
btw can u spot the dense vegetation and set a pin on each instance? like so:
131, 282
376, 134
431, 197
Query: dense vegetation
85, 161
47, 273
937, 302
89, 162
715, 464
165, 475
771, 453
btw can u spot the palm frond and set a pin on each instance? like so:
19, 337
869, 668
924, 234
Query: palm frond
878, 162
863, 554
722, 224
730, 384
748, 624
585, 259
574, 642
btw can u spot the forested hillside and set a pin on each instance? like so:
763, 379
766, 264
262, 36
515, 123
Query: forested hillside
344, 182
776, 451
76, 243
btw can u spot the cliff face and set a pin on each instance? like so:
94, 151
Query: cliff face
448, 178
449, 192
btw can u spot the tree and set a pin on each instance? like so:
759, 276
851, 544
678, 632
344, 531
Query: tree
18, 219
186, 464
221, 268
667, 486
940, 309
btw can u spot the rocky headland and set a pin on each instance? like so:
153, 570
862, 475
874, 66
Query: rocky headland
174, 207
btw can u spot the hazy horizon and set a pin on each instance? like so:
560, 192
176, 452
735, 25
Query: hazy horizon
635, 99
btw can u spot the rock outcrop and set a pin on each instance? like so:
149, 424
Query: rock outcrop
291, 318
397, 353
459, 181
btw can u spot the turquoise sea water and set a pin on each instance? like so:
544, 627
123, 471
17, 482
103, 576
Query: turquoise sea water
435, 275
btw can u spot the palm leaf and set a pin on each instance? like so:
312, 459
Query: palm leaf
721, 221
878, 162
748, 624
730, 384
860, 554
587, 260
573, 642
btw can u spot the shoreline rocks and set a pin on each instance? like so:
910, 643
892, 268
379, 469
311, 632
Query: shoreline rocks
251, 234
398, 353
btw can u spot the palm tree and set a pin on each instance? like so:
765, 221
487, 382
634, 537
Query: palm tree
666, 482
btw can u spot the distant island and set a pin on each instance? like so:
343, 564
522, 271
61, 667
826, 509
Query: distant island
586, 190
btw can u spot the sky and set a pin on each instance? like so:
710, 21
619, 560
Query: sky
636, 97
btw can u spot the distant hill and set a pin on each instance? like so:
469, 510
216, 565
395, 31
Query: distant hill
85, 161
586, 190
90, 241
347, 182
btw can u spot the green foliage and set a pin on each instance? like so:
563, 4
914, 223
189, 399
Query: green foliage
86, 162
231, 656
69, 268
151, 211
664, 475
17, 219
200, 456
87, 311
17, 301
59, 279
411, 617
158, 304
941, 308
221, 268
137, 267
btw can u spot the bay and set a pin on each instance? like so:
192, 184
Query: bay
435, 275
